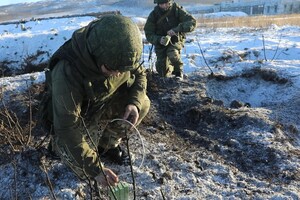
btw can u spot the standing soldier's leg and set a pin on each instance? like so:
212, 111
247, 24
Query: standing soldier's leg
162, 63
174, 55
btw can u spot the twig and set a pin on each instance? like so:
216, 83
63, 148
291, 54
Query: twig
97, 189
13, 124
41, 143
18, 127
276, 48
89, 183
150, 59
48, 182
212, 73
150, 53
8, 140
15, 179
264, 47
162, 194
91, 188
128, 151
131, 167
29, 196
30, 117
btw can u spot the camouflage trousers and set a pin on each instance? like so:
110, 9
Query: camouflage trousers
102, 130
168, 60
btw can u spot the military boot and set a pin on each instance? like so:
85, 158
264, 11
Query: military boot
109, 144
116, 155
179, 76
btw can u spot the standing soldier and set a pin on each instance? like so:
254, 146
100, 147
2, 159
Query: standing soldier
165, 28
95, 76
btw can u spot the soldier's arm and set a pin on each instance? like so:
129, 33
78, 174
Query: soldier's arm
150, 30
138, 88
68, 123
187, 22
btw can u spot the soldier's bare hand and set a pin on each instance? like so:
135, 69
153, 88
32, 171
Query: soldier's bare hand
112, 178
131, 114
171, 32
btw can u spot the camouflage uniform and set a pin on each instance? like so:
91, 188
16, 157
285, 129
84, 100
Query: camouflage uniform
81, 96
158, 24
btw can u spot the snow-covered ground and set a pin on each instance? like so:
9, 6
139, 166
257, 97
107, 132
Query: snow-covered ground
229, 52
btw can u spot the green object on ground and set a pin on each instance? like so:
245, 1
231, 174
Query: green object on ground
121, 191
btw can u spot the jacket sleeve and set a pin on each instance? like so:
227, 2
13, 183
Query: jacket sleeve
137, 91
187, 23
67, 121
150, 30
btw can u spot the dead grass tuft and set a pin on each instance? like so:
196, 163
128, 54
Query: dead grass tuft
250, 21
19, 120
33, 63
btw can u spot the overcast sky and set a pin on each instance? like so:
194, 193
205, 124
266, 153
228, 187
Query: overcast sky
7, 2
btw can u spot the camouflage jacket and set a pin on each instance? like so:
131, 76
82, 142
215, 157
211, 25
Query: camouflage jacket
159, 23
78, 90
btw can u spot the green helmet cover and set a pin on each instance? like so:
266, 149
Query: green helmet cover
161, 1
115, 41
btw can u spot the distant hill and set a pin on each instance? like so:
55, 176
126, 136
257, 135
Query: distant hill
48, 8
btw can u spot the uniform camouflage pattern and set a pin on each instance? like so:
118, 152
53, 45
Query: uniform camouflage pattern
119, 47
81, 97
159, 22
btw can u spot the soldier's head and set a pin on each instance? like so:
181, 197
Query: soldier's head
115, 42
164, 4
161, 1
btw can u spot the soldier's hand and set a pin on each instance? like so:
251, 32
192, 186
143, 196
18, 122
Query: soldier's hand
171, 32
165, 40
162, 41
131, 114
112, 178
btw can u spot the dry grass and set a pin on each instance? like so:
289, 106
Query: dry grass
250, 21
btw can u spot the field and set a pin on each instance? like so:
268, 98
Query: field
229, 130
